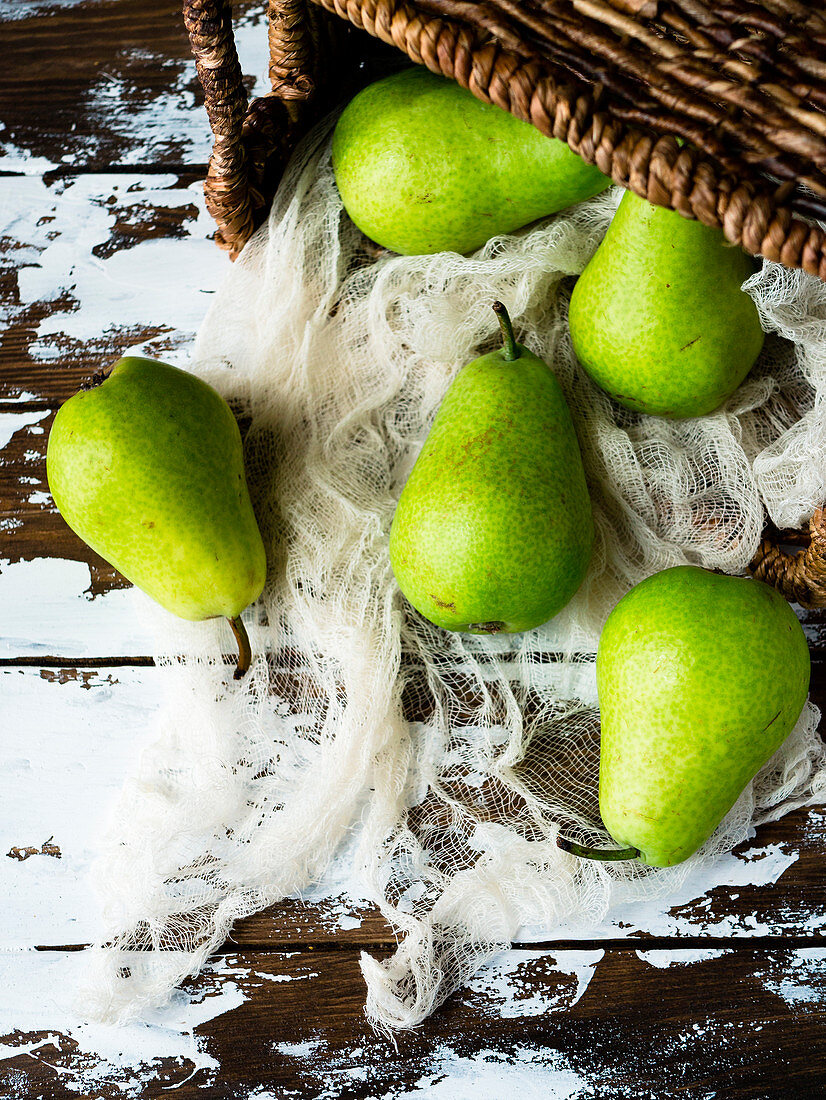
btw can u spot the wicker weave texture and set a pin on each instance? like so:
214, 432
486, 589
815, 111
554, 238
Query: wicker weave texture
716, 110
721, 133
801, 577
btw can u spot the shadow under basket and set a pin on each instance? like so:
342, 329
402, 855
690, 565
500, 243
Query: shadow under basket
714, 109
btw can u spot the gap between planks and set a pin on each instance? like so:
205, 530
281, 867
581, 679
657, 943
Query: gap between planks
629, 943
47, 661
27, 406
63, 171
37, 661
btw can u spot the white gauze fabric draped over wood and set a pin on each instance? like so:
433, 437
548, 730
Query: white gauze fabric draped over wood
454, 761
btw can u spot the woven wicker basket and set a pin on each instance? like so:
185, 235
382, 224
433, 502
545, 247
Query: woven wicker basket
715, 108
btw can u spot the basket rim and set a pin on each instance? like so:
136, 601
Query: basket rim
661, 158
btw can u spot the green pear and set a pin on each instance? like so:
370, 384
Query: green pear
493, 530
424, 166
701, 677
146, 467
658, 319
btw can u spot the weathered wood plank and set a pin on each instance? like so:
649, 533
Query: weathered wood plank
56, 609
31, 529
70, 739
30, 524
51, 584
93, 267
99, 265
73, 735
94, 83
562, 1025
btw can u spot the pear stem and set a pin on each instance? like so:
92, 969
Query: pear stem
244, 648
511, 350
596, 853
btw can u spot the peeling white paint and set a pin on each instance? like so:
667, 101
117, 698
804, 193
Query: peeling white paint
66, 749
286, 977
131, 285
170, 123
797, 977
62, 741
45, 989
13, 158
47, 996
678, 956
159, 282
513, 983
540, 1073
13, 422
139, 124
48, 609
299, 1050
760, 866
530, 1074
25, 9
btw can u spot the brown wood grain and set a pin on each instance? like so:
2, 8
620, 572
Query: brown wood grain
30, 525
78, 86
95, 220
75, 76
748, 1024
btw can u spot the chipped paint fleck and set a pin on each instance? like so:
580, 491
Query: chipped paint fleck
519, 983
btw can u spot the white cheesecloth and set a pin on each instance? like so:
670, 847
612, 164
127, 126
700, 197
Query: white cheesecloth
452, 760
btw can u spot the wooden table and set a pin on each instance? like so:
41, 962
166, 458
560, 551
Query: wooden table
106, 247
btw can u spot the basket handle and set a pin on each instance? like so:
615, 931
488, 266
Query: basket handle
800, 577
247, 136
